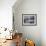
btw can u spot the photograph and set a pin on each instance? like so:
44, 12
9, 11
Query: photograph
29, 19
22, 22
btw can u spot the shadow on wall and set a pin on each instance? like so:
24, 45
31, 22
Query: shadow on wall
17, 4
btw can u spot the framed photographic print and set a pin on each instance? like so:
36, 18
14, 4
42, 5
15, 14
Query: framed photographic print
29, 19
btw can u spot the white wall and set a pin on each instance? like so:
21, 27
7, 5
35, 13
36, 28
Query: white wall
28, 7
43, 22
6, 13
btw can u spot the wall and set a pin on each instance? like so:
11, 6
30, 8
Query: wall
6, 13
43, 22
28, 7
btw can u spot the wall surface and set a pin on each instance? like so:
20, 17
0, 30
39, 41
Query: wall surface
6, 13
43, 22
28, 7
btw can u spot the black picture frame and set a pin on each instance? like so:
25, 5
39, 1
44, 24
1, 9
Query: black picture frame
29, 19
